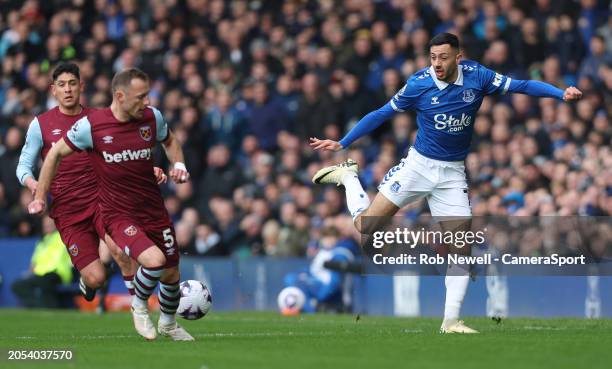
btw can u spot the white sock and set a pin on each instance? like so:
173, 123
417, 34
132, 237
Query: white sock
357, 199
456, 281
138, 303
166, 319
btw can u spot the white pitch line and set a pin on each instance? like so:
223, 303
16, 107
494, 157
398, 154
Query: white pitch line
276, 320
262, 334
543, 328
229, 334
217, 334
102, 336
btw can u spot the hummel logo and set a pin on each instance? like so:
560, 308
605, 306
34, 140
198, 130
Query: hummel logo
434, 100
107, 139
56, 132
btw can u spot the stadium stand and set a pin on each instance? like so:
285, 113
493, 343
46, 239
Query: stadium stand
244, 84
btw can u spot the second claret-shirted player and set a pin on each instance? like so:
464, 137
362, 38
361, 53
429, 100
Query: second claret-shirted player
121, 139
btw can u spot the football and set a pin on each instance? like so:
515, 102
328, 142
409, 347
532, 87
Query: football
291, 300
196, 300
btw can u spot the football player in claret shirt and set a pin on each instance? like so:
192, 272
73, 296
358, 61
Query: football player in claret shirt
74, 189
121, 139
446, 97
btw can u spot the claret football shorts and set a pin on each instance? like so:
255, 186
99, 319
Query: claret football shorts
82, 242
133, 239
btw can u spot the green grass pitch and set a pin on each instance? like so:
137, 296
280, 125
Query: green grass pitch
268, 340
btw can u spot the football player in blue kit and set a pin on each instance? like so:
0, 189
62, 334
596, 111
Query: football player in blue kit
446, 97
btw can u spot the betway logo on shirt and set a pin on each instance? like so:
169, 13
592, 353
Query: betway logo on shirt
126, 155
454, 124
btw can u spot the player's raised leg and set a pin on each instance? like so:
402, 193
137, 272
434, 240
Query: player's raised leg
346, 174
169, 296
376, 214
357, 200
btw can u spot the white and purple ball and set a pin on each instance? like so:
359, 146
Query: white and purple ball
291, 300
196, 300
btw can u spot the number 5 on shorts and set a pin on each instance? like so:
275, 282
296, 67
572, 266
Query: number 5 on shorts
169, 240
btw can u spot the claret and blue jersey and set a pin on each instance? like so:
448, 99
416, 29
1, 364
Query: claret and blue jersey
445, 113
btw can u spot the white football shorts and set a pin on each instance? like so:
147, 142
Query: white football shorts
442, 183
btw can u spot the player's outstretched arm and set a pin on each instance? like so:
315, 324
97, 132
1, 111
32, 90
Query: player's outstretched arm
174, 152
366, 125
543, 89
47, 173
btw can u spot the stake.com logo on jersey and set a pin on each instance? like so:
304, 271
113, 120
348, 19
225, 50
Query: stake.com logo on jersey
126, 155
453, 124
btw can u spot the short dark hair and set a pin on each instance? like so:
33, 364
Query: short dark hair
443, 39
67, 68
125, 77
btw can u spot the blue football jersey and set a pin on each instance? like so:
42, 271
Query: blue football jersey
446, 112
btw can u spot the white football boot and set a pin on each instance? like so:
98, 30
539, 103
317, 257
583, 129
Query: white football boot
143, 324
455, 326
334, 173
174, 331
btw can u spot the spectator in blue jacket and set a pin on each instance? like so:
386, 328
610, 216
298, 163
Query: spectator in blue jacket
267, 117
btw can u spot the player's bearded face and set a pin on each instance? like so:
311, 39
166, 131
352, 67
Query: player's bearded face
67, 90
444, 60
136, 98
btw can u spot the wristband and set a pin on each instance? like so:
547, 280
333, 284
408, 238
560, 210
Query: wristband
180, 166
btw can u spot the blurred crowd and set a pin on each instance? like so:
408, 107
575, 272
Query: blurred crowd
244, 84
